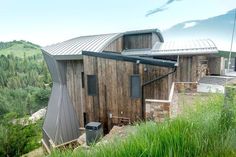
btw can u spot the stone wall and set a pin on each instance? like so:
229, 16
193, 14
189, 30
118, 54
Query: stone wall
186, 87
159, 110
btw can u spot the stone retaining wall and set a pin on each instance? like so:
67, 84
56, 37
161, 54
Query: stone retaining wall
159, 110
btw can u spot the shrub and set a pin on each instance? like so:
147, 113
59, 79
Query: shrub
16, 139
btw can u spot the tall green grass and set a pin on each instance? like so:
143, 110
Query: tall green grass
198, 132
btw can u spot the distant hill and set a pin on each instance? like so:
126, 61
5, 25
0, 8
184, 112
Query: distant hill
19, 48
218, 28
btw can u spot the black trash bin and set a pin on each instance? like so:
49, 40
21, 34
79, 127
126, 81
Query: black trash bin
94, 132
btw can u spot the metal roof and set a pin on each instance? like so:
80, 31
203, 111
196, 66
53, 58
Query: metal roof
71, 49
193, 47
95, 43
203, 46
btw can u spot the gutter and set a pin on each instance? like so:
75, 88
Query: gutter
150, 82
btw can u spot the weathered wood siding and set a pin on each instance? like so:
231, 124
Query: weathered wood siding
113, 79
158, 89
115, 46
216, 65
138, 41
191, 68
113, 86
74, 85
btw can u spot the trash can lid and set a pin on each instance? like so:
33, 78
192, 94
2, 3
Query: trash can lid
93, 126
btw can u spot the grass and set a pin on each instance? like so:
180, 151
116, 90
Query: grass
198, 132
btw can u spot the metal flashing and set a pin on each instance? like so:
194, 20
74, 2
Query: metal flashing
141, 60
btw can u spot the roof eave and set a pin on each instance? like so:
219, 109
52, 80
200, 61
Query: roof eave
69, 57
182, 53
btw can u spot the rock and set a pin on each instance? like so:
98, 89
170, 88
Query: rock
102, 142
37, 115
82, 139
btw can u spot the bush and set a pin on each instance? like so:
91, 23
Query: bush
16, 139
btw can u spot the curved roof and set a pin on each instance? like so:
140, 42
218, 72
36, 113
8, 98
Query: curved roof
95, 43
72, 48
192, 47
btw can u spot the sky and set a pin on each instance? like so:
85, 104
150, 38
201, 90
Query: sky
46, 22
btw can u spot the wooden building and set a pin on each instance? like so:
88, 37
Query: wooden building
107, 77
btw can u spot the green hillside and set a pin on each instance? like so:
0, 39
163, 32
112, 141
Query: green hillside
25, 85
19, 48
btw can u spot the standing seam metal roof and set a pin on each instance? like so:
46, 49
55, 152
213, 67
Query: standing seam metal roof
95, 43
193, 47
185, 47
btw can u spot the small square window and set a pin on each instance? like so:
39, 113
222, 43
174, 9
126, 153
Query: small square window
92, 85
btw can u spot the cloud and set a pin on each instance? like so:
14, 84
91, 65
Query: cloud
150, 12
161, 8
169, 2
189, 24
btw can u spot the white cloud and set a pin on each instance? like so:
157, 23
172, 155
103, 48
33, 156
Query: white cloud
189, 24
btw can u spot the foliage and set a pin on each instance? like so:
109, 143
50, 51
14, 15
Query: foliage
24, 83
24, 88
23, 101
17, 139
198, 133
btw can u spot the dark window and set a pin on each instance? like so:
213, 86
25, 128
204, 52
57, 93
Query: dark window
135, 86
92, 85
82, 79
85, 118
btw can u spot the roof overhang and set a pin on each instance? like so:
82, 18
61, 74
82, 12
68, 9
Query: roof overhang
225, 53
184, 52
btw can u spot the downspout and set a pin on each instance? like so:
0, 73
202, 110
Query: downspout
234, 63
149, 82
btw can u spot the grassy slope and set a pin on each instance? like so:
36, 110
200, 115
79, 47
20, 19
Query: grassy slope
19, 48
198, 133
